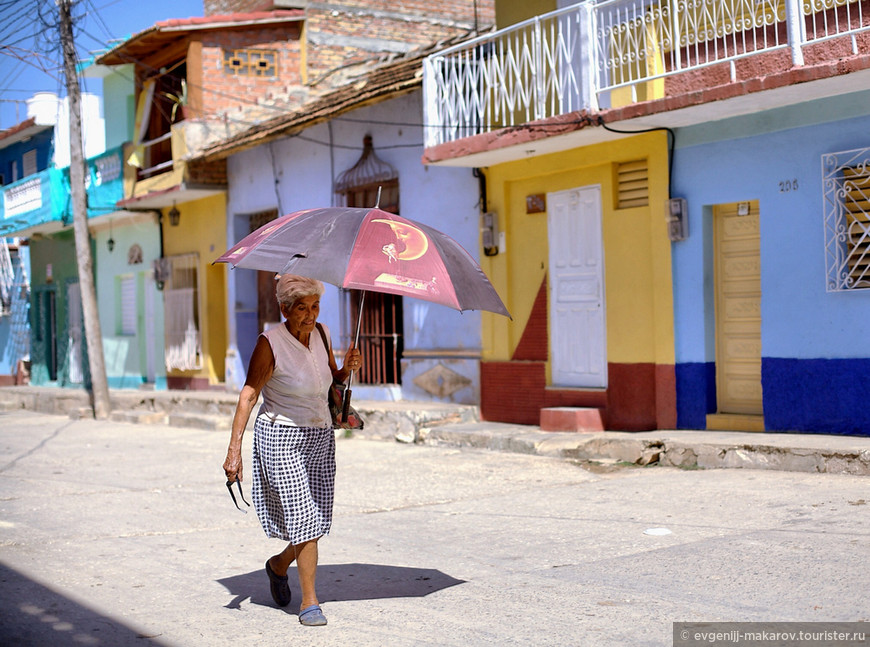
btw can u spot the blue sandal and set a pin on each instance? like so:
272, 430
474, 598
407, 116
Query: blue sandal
312, 616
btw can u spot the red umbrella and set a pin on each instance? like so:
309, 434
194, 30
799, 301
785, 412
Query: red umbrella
369, 249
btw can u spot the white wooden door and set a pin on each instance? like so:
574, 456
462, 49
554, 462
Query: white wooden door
577, 332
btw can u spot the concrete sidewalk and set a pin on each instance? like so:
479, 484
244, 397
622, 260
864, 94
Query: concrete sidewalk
431, 423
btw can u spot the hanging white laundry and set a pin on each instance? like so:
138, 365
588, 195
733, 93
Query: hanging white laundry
183, 350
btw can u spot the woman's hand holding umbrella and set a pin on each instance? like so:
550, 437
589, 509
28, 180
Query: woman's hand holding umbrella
352, 362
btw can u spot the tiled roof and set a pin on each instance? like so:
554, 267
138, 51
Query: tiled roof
167, 31
232, 19
24, 125
21, 131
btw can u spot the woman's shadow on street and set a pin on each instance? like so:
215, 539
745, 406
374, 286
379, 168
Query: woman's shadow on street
342, 582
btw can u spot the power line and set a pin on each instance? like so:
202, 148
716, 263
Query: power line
240, 120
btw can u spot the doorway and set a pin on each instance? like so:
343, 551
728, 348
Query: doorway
577, 316
44, 347
737, 280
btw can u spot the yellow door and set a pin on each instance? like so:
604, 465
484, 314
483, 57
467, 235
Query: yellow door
738, 317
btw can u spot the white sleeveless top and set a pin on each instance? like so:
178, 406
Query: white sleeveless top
296, 393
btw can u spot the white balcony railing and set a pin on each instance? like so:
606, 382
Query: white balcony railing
23, 197
603, 54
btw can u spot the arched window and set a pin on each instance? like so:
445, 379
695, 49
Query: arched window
381, 329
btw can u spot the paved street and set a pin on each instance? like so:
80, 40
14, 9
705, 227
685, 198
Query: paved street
117, 534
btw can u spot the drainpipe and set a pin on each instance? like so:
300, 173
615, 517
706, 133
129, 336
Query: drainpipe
159, 213
481, 181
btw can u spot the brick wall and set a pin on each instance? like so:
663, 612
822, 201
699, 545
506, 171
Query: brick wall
342, 32
459, 9
346, 31
210, 173
226, 91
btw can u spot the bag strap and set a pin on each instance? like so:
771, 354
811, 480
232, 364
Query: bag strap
322, 335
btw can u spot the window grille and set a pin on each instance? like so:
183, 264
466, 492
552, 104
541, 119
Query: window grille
846, 181
251, 62
107, 169
181, 307
632, 182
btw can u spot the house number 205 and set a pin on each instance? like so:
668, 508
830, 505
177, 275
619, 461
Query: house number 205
787, 186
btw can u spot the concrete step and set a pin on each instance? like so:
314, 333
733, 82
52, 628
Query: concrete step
583, 419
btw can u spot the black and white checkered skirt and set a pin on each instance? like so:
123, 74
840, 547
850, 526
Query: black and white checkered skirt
293, 484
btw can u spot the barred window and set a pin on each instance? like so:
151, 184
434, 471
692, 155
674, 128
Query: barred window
251, 62
846, 179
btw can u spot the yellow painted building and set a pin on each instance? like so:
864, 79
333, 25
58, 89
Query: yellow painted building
194, 286
584, 266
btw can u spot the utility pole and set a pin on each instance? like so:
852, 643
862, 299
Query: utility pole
93, 334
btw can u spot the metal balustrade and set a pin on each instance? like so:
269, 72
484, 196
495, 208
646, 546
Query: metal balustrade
604, 54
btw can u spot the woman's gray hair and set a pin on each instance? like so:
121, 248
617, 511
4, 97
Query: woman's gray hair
292, 287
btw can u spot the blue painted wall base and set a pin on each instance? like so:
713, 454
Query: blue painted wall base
696, 394
825, 396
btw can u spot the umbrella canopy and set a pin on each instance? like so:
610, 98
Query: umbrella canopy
369, 249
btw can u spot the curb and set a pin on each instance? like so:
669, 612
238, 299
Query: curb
685, 450
456, 425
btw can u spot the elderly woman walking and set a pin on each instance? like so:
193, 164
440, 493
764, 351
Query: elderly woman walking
294, 443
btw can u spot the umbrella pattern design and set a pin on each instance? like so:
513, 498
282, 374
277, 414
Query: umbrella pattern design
371, 250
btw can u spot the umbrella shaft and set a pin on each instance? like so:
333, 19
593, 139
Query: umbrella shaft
345, 405
362, 300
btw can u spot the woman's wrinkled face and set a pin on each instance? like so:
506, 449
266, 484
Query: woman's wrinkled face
302, 315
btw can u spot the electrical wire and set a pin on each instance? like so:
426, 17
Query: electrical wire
672, 140
45, 22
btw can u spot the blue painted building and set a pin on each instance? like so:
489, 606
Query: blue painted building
25, 155
771, 286
37, 207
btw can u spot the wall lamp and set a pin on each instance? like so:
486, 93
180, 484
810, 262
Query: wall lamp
174, 216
